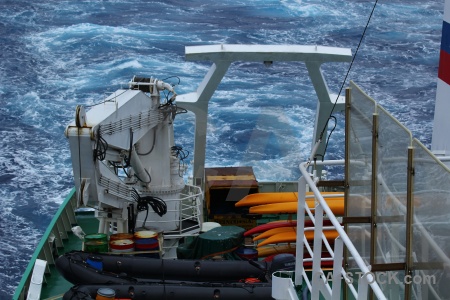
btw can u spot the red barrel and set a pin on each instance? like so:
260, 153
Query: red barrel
122, 246
121, 236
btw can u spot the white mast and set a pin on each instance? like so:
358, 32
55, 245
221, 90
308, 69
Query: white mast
440, 144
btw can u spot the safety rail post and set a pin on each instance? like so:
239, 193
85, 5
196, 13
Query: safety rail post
337, 268
348, 106
374, 193
409, 221
300, 230
317, 281
363, 287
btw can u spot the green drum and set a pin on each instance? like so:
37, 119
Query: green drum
95, 243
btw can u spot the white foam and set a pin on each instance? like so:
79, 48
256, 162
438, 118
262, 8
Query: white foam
75, 57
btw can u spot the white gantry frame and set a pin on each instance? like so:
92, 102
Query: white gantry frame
223, 55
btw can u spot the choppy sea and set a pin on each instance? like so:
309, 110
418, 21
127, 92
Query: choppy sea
57, 54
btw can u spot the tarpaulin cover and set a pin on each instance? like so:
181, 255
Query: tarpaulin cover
217, 241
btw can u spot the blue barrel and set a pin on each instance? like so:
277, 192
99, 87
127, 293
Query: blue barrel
95, 261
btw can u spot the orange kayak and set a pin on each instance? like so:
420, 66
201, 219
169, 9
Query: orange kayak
269, 198
291, 237
275, 249
274, 231
336, 206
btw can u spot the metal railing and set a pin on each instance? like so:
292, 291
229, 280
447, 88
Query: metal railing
319, 280
323, 282
189, 214
396, 212
54, 237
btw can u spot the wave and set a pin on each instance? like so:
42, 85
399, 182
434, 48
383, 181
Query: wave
53, 61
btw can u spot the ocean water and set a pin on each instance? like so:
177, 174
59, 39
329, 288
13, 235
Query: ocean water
57, 54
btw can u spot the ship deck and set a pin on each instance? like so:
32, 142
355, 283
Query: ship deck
55, 285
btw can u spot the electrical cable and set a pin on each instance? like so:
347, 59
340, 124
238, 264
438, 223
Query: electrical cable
157, 204
166, 96
345, 79
149, 176
101, 145
181, 154
111, 100
128, 159
328, 138
174, 76
181, 110
153, 145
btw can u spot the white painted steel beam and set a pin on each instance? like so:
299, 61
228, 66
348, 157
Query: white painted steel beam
223, 55
197, 102
227, 52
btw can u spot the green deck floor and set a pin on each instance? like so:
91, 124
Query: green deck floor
56, 285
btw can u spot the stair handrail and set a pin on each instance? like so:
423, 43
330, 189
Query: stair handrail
368, 277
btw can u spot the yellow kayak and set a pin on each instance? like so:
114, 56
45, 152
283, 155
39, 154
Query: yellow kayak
336, 206
274, 231
269, 198
291, 237
275, 249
